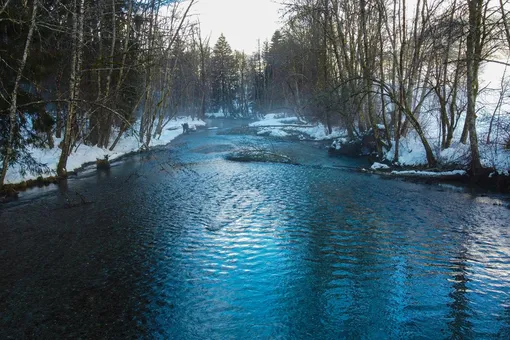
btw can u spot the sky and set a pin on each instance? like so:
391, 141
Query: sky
242, 22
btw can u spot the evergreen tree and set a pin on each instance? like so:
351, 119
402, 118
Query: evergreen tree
223, 74
275, 64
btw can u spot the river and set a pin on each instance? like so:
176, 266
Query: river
179, 243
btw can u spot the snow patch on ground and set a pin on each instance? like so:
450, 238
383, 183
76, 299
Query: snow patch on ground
499, 160
430, 173
412, 153
215, 115
274, 132
277, 125
270, 121
377, 166
320, 132
338, 142
457, 153
86, 154
492, 154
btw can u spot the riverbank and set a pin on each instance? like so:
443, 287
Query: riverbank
453, 161
83, 155
281, 127
278, 125
489, 180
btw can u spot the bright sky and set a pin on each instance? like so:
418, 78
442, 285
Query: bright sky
242, 22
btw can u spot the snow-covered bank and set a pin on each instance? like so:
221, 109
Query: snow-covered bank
86, 154
215, 115
492, 125
412, 153
493, 155
378, 167
278, 125
430, 173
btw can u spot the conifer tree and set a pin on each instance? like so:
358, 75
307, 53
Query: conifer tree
223, 75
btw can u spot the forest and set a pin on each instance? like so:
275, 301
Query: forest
87, 72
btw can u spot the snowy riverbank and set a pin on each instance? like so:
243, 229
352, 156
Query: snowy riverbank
412, 153
278, 125
85, 154
453, 161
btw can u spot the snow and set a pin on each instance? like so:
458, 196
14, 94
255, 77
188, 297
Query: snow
86, 154
430, 173
272, 132
457, 153
280, 126
274, 116
320, 132
412, 153
215, 115
337, 143
271, 121
377, 166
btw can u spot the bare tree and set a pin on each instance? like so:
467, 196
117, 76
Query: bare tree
474, 44
74, 84
13, 108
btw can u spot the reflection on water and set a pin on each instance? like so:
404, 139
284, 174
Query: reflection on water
216, 249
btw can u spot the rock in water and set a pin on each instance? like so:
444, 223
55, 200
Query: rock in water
103, 164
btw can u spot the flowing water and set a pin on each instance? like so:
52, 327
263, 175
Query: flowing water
180, 243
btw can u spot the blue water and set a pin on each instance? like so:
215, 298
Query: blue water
182, 244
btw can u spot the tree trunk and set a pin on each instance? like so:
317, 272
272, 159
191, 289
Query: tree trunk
74, 84
14, 95
107, 120
381, 71
473, 54
121, 132
431, 160
58, 126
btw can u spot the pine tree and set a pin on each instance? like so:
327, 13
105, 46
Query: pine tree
223, 74
275, 63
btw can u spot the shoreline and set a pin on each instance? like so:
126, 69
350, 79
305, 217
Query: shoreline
495, 184
488, 181
9, 192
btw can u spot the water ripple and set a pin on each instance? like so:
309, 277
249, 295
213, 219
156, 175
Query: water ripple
232, 250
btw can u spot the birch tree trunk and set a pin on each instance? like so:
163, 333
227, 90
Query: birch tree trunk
74, 84
14, 94
105, 134
123, 125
